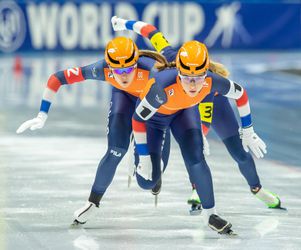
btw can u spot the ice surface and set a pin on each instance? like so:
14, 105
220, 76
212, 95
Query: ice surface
43, 180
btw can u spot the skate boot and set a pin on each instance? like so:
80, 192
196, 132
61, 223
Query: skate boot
195, 202
194, 198
220, 225
270, 199
156, 190
82, 215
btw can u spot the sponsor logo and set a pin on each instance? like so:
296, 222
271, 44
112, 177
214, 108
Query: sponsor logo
111, 50
158, 99
94, 71
12, 26
140, 76
171, 92
192, 64
121, 57
115, 153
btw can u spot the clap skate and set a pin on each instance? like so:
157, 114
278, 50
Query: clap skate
156, 190
82, 215
220, 225
270, 199
195, 202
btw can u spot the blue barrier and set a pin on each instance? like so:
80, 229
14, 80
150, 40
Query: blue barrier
85, 25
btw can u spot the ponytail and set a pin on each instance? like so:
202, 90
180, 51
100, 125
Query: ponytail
161, 62
219, 69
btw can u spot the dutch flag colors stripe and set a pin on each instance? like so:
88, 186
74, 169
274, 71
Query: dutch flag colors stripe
139, 130
129, 25
246, 121
244, 110
142, 149
139, 27
54, 83
45, 105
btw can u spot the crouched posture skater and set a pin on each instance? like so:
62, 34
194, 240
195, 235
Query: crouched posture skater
127, 70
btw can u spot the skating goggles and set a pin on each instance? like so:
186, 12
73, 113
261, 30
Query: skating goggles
188, 79
120, 71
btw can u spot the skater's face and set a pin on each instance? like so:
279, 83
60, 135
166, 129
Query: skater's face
124, 76
192, 84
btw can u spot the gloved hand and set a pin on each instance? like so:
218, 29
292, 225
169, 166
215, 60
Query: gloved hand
250, 140
118, 24
33, 124
145, 167
206, 147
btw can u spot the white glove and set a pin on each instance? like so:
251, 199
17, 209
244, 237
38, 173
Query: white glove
118, 24
206, 147
33, 124
145, 167
250, 140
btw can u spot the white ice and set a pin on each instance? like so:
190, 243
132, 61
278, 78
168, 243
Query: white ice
43, 180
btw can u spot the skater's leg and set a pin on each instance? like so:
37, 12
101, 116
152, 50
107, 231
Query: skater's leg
226, 126
187, 131
119, 129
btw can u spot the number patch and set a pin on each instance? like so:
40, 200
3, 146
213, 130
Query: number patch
206, 111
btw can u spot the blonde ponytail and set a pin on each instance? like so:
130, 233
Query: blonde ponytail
161, 62
219, 69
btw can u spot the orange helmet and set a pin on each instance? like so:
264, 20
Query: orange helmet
192, 58
121, 52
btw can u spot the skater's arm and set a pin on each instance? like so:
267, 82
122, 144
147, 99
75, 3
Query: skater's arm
233, 90
69, 76
156, 38
144, 167
230, 89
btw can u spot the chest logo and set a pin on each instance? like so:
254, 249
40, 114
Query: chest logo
171, 92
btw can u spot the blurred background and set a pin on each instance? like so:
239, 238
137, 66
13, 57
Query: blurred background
259, 41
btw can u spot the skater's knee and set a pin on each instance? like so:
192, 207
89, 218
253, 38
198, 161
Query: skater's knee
199, 167
146, 184
191, 146
193, 156
242, 157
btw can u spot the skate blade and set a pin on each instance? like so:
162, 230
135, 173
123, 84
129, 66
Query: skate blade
129, 181
279, 208
230, 232
76, 224
156, 200
225, 231
195, 209
195, 212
